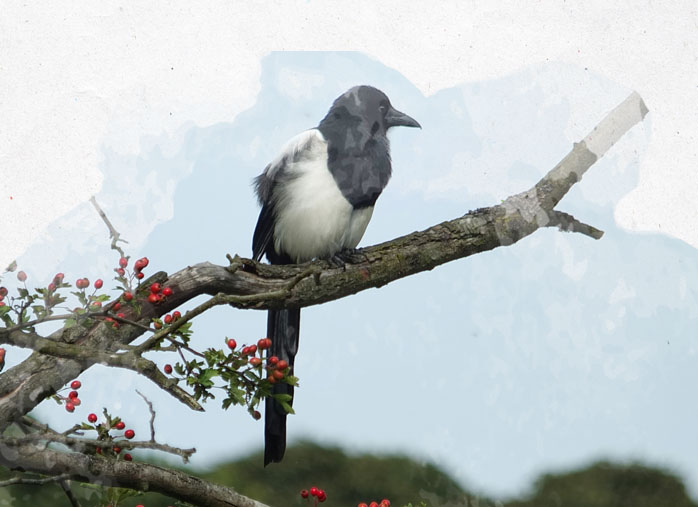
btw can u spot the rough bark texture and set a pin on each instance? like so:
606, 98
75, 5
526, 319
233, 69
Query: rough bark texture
246, 284
124, 474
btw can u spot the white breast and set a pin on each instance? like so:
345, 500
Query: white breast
313, 218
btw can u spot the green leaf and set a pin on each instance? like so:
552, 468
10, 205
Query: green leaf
70, 323
283, 398
206, 376
291, 380
288, 408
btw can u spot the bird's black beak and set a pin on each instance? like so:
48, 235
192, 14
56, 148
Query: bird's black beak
395, 118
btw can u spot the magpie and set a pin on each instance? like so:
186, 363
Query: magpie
317, 197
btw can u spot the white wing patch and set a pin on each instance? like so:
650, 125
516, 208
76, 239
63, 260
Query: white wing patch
313, 218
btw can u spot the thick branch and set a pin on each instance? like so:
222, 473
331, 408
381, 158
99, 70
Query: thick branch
117, 473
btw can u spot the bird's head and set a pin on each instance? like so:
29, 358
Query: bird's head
369, 107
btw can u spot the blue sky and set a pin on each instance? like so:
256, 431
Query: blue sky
549, 353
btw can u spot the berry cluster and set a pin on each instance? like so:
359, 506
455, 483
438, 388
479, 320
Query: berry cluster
158, 293
318, 494
103, 433
277, 369
384, 503
138, 267
72, 400
247, 378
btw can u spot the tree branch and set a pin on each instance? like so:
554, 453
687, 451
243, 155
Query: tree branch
124, 474
247, 284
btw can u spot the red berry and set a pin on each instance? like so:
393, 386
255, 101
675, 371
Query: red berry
75, 384
116, 307
121, 315
128, 457
385, 503
21, 276
168, 368
70, 407
278, 375
120, 425
256, 361
257, 415
262, 344
92, 418
168, 318
167, 292
363, 504
273, 360
282, 365
98, 283
99, 450
129, 434
2, 355
120, 271
3, 291
153, 298
2, 303
128, 296
117, 449
73, 394
140, 264
322, 496
140, 276
155, 288
314, 491
123, 262
232, 344
82, 283
58, 279
252, 350
51, 287
304, 493
157, 324
374, 504
96, 304
176, 315
75, 401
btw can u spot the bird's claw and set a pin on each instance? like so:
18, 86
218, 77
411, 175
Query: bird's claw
347, 256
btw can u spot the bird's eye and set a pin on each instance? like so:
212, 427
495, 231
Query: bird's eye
383, 109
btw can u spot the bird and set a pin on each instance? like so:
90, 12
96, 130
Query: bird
317, 198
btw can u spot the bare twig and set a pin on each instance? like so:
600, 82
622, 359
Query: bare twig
113, 233
38, 481
152, 415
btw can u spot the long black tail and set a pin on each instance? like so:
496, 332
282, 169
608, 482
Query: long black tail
283, 328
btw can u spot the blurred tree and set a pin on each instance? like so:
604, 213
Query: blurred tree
606, 484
